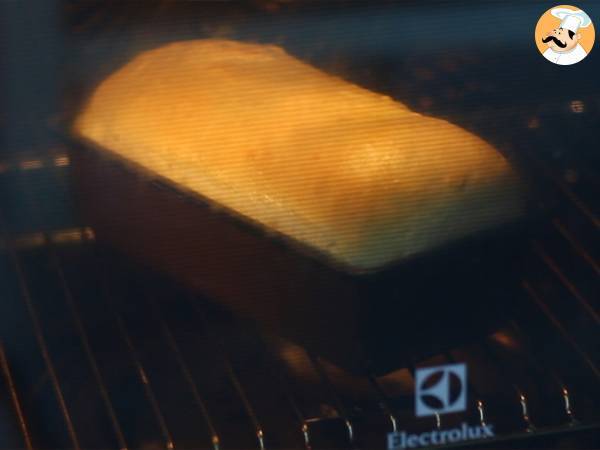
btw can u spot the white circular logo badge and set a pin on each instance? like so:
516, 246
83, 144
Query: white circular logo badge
565, 35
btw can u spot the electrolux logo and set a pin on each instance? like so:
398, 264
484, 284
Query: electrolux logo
402, 440
440, 390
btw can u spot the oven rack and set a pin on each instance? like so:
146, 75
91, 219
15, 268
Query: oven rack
96, 352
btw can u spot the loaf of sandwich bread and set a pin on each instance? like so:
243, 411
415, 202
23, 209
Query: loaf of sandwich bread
349, 173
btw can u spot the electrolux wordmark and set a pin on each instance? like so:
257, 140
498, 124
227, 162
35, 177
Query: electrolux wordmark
402, 440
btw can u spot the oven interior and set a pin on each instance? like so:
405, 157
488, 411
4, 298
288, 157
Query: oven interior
98, 351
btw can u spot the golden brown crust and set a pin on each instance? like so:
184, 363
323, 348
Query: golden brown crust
347, 171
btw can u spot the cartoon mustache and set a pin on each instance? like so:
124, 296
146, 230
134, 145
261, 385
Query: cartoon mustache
556, 41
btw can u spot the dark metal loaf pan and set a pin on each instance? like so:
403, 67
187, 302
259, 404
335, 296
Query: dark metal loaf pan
374, 321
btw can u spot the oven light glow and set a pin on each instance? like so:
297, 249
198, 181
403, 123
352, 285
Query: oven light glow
61, 161
533, 123
31, 164
504, 339
69, 235
59, 237
88, 233
577, 106
29, 241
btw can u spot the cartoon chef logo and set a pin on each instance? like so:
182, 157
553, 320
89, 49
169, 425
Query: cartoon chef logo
564, 35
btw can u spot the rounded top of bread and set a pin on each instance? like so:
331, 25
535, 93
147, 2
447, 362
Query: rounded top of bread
350, 173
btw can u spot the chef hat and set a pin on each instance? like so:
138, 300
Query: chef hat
571, 19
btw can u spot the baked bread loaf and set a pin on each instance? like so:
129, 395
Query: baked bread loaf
349, 173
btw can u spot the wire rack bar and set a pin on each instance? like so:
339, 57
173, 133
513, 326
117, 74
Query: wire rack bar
551, 264
14, 396
334, 395
562, 229
83, 335
41, 340
558, 326
222, 351
185, 370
